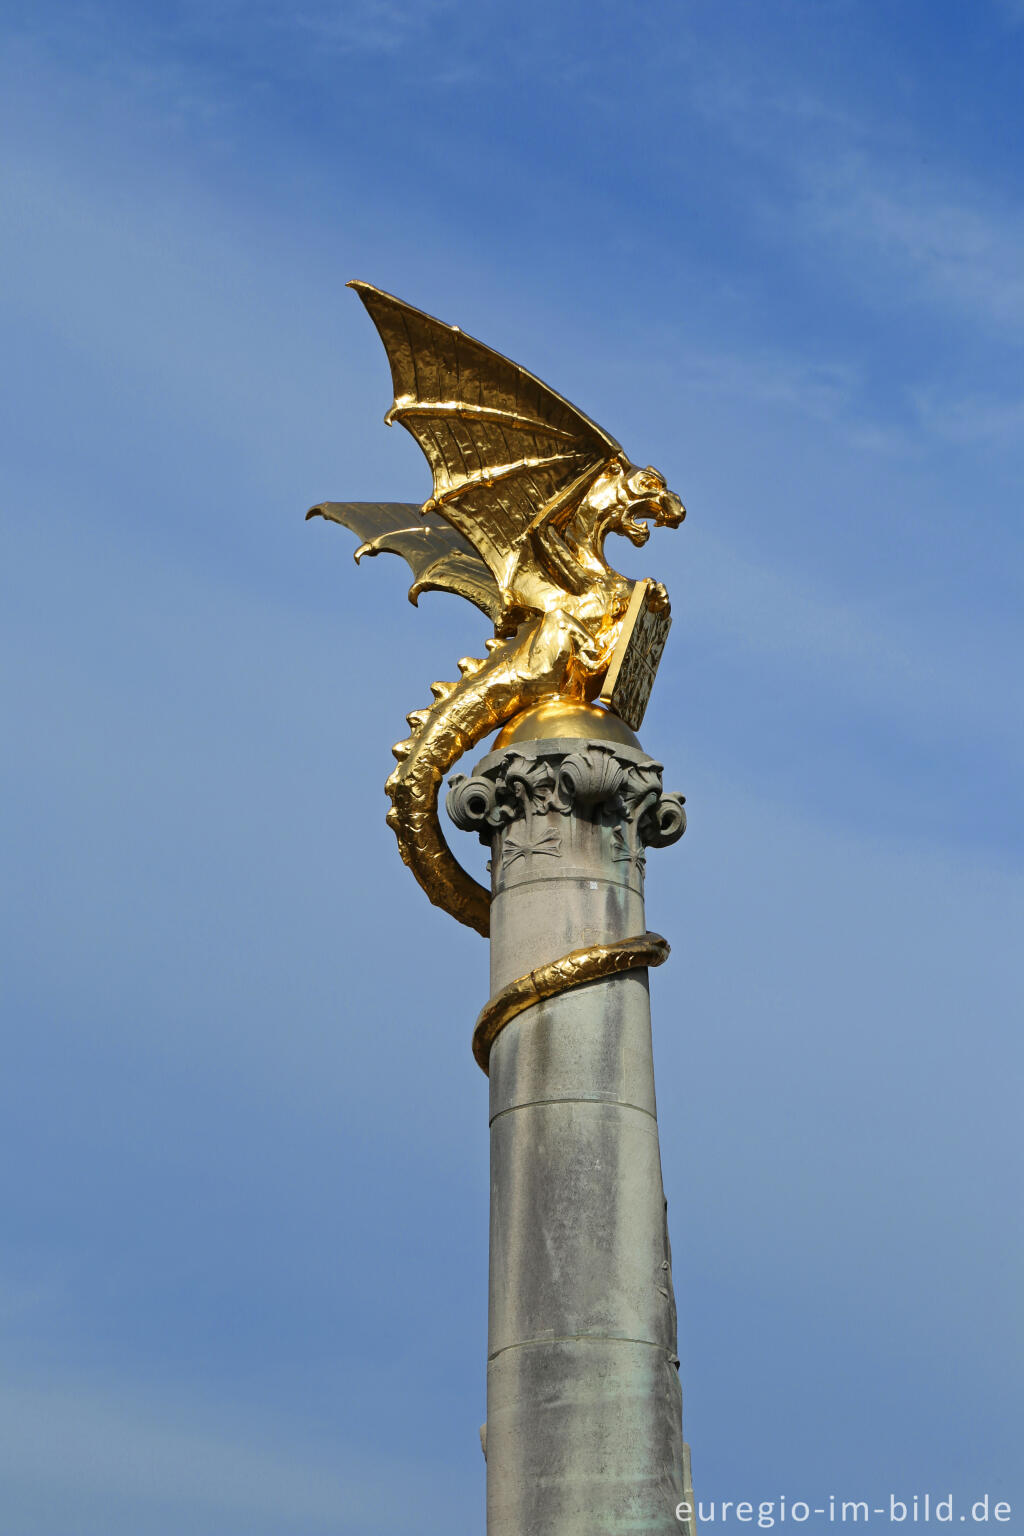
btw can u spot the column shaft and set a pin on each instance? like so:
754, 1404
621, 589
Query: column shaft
584, 1432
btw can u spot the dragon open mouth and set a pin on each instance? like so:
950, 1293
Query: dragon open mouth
664, 510
637, 532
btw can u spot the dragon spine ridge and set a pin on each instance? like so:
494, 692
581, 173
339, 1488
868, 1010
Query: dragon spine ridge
517, 673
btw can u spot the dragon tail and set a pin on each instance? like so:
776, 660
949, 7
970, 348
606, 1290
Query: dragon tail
516, 674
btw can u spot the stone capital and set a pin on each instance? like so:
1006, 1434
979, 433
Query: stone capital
519, 799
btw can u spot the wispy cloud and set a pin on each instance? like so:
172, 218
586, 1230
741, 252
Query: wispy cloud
951, 243
821, 391
825, 390
876, 657
196, 1460
342, 26
976, 418
892, 216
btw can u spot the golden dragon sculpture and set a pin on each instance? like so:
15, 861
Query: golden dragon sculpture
526, 490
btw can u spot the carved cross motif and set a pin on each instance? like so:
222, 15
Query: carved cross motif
624, 851
520, 843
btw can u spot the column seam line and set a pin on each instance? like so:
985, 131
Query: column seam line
579, 1338
532, 1103
517, 885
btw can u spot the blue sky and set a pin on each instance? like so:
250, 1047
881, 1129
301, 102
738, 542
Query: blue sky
778, 251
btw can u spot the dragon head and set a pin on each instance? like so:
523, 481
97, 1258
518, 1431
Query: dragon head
623, 494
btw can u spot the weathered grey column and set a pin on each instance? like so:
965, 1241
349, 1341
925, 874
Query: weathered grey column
584, 1431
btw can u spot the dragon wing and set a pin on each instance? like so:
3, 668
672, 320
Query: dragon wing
441, 560
504, 449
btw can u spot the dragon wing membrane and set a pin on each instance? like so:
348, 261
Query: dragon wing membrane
440, 559
501, 445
